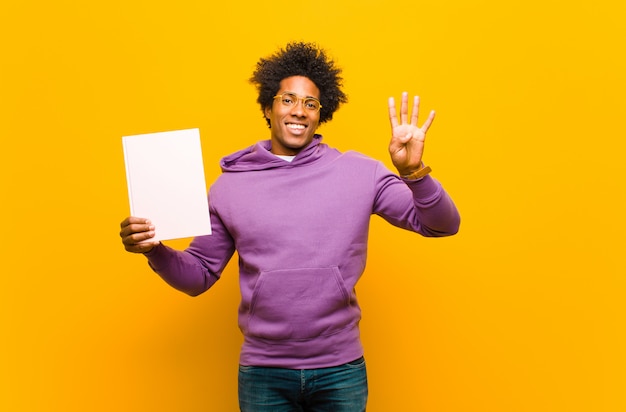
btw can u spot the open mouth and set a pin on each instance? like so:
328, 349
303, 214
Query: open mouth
295, 126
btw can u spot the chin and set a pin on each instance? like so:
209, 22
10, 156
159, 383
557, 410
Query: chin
297, 143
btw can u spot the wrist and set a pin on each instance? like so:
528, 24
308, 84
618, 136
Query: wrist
151, 249
417, 174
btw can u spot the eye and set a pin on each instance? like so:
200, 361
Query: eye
311, 104
288, 99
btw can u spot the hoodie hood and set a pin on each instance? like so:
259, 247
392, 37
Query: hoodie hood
259, 157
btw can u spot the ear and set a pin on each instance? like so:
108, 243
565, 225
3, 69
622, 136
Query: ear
268, 112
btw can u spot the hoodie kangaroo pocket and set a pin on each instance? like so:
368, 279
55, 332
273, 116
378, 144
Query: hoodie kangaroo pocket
299, 304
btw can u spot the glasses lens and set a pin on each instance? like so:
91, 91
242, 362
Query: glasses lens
289, 99
312, 104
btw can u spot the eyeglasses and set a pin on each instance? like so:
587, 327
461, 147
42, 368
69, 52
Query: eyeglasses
290, 99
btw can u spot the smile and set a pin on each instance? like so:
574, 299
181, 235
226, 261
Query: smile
296, 126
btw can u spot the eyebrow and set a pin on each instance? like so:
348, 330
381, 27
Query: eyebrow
290, 92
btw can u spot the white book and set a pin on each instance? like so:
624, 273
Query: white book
166, 184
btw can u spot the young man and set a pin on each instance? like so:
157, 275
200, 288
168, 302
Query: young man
298, 212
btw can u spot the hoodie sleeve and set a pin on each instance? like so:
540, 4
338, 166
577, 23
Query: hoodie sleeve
198, 267
422, 206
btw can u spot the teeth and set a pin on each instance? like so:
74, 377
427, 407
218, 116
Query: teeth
295, 126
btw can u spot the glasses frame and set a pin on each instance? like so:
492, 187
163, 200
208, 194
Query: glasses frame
299, 99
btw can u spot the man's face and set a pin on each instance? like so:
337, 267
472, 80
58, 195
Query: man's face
293, 127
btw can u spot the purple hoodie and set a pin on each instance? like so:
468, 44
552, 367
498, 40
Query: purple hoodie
300, 229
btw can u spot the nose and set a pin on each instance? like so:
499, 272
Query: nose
298, 108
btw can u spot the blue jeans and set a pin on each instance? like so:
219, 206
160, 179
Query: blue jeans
337, 389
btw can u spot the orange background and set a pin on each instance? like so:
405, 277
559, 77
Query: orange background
523, 310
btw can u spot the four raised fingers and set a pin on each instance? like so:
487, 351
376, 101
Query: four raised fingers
404, 112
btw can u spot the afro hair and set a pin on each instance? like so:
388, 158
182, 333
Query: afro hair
300, 59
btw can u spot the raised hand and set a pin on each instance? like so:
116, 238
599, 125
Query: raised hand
407, 139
